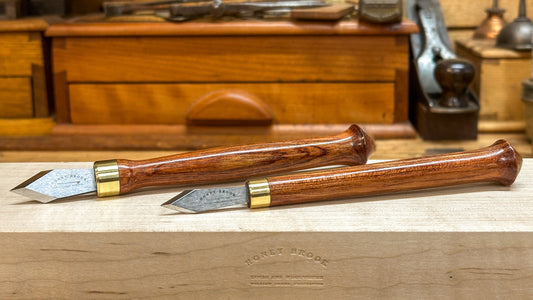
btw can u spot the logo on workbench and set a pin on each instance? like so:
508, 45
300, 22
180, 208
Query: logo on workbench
293, 252
278, 275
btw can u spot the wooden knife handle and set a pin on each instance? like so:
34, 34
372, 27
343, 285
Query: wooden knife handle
352, 147
497, 163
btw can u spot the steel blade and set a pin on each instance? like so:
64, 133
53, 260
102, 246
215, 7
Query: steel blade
47, 186
201, 200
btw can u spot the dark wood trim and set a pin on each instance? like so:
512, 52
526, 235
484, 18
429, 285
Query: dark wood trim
61, 96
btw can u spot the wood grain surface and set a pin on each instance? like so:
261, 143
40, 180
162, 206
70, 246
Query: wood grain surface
65, 137
289, 103
230, 58
498, 163
16, 97
469, 208
350, 147
19, 51
26, 127
468, 242
253, 265
24, 25
229, 107
499, 75
244, 27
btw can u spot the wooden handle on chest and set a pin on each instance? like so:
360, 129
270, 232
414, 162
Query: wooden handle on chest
497, 163
351, 147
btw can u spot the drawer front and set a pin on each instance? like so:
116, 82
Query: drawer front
18, 51
16, 98
230, 59
290, 103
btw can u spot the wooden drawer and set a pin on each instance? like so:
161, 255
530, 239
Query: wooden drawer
16, 98
289, 103
230, 58
23, 90
19, 51
286, 78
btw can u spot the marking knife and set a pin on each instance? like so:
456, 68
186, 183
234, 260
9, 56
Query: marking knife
223, 164
497, 163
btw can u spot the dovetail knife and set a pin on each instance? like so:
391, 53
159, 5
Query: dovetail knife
497, 163
223, 164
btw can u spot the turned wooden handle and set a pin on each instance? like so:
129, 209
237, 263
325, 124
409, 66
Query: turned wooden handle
498, 163
352, 147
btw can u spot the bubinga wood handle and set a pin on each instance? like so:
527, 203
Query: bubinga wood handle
351, 147
497, 163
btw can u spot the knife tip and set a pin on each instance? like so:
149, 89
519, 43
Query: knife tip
209, 199
173, 203
47, 186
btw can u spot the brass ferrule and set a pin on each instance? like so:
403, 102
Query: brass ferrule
259, 193
107, 178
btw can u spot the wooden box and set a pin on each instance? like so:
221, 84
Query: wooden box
498, 83
24, 105
267, 74
469, 242
22, 69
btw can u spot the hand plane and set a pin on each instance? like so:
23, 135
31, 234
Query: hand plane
442, 106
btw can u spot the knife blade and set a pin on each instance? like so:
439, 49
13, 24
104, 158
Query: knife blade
223, 164
497, 163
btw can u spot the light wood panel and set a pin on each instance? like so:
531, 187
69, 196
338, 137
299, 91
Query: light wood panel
229, 58
290, 103
303, 265
20, 50
498, 83
23, 127
467, 208
26, 24
467, 242
16, 97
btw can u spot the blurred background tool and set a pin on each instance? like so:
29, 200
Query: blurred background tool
439, 80
517, 35
491, 26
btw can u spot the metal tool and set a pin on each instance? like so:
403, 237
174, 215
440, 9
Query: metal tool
517, 35
217, 9
498, 163
381, 11
433, 117
225, 164
493, 23
10, 9
117, 8
333, 12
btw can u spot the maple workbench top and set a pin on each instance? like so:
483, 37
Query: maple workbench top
479, 207
470, 242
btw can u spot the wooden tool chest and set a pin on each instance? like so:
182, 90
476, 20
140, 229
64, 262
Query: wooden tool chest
240, 74
24, 104
498, 80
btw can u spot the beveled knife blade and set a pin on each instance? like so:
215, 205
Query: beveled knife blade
497, 163
223, 164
